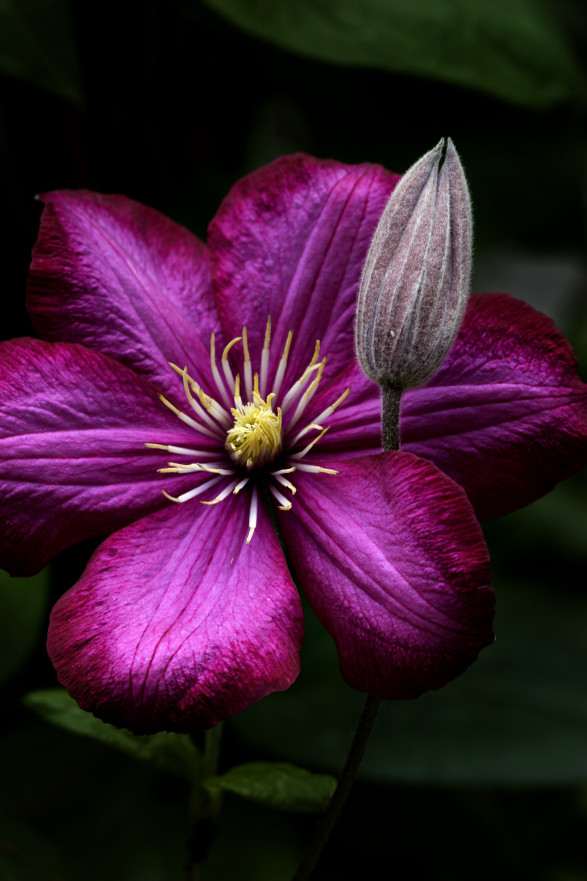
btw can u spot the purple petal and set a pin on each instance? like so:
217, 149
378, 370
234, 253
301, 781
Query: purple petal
394, 564
177, 623
123, 280
73, 425
289, 242
506, 414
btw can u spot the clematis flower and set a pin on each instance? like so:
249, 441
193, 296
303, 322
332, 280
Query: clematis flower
182, 397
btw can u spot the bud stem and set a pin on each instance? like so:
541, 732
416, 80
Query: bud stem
390, 401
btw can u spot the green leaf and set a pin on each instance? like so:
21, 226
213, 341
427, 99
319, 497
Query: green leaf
37, 45
175, 754
517, 717
278, 785
23, 605
509, 48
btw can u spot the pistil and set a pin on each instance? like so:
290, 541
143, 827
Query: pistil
255, 439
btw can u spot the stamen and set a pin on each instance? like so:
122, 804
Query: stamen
225, 492
205, 403
255, 437
297, 387
307, 396
282, 364
284, 505
280, 479
306, 450
209, 404
225, 363
200, 407
316, 354
265, 358
330, 410
314, 469
237, 392
314, 426
192, 493
251, 431
252, 514
217, 378
212, 470
182, 451
176, 468
248, 367
189, 421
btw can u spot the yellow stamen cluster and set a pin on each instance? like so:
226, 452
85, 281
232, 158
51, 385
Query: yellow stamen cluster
250, 432
255, 438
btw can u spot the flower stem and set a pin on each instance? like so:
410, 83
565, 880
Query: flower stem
390, 406
205, 803
390, 403
341, 792
211, 757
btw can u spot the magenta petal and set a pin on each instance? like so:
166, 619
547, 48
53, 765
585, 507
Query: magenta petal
394, 564
73, 425
124, 280
289, 242
177, 623
506, 414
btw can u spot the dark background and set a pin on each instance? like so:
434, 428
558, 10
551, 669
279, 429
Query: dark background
170, 104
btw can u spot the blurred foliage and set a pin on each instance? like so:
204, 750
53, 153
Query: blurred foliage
37, 45
518, 717
73, 809
23, 609
487, 777
172, 753
278, 785
513, 50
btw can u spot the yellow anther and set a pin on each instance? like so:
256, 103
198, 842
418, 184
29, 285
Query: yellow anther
267, 334
255, 438
227, 348
245, 346
286, 348
316, 354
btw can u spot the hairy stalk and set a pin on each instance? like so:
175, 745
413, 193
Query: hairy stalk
390, 403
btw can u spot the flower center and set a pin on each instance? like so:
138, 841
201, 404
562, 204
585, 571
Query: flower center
237, 440
256, 437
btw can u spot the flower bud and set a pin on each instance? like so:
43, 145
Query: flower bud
415, 282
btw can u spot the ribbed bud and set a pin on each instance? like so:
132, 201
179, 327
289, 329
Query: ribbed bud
416, 278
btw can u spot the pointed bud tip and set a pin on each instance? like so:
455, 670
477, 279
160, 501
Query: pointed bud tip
415, 282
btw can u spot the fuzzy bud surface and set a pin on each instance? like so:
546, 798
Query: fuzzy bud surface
416, 278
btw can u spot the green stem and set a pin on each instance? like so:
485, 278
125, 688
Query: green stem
390, 407
205, 803
211, 757
341, 792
